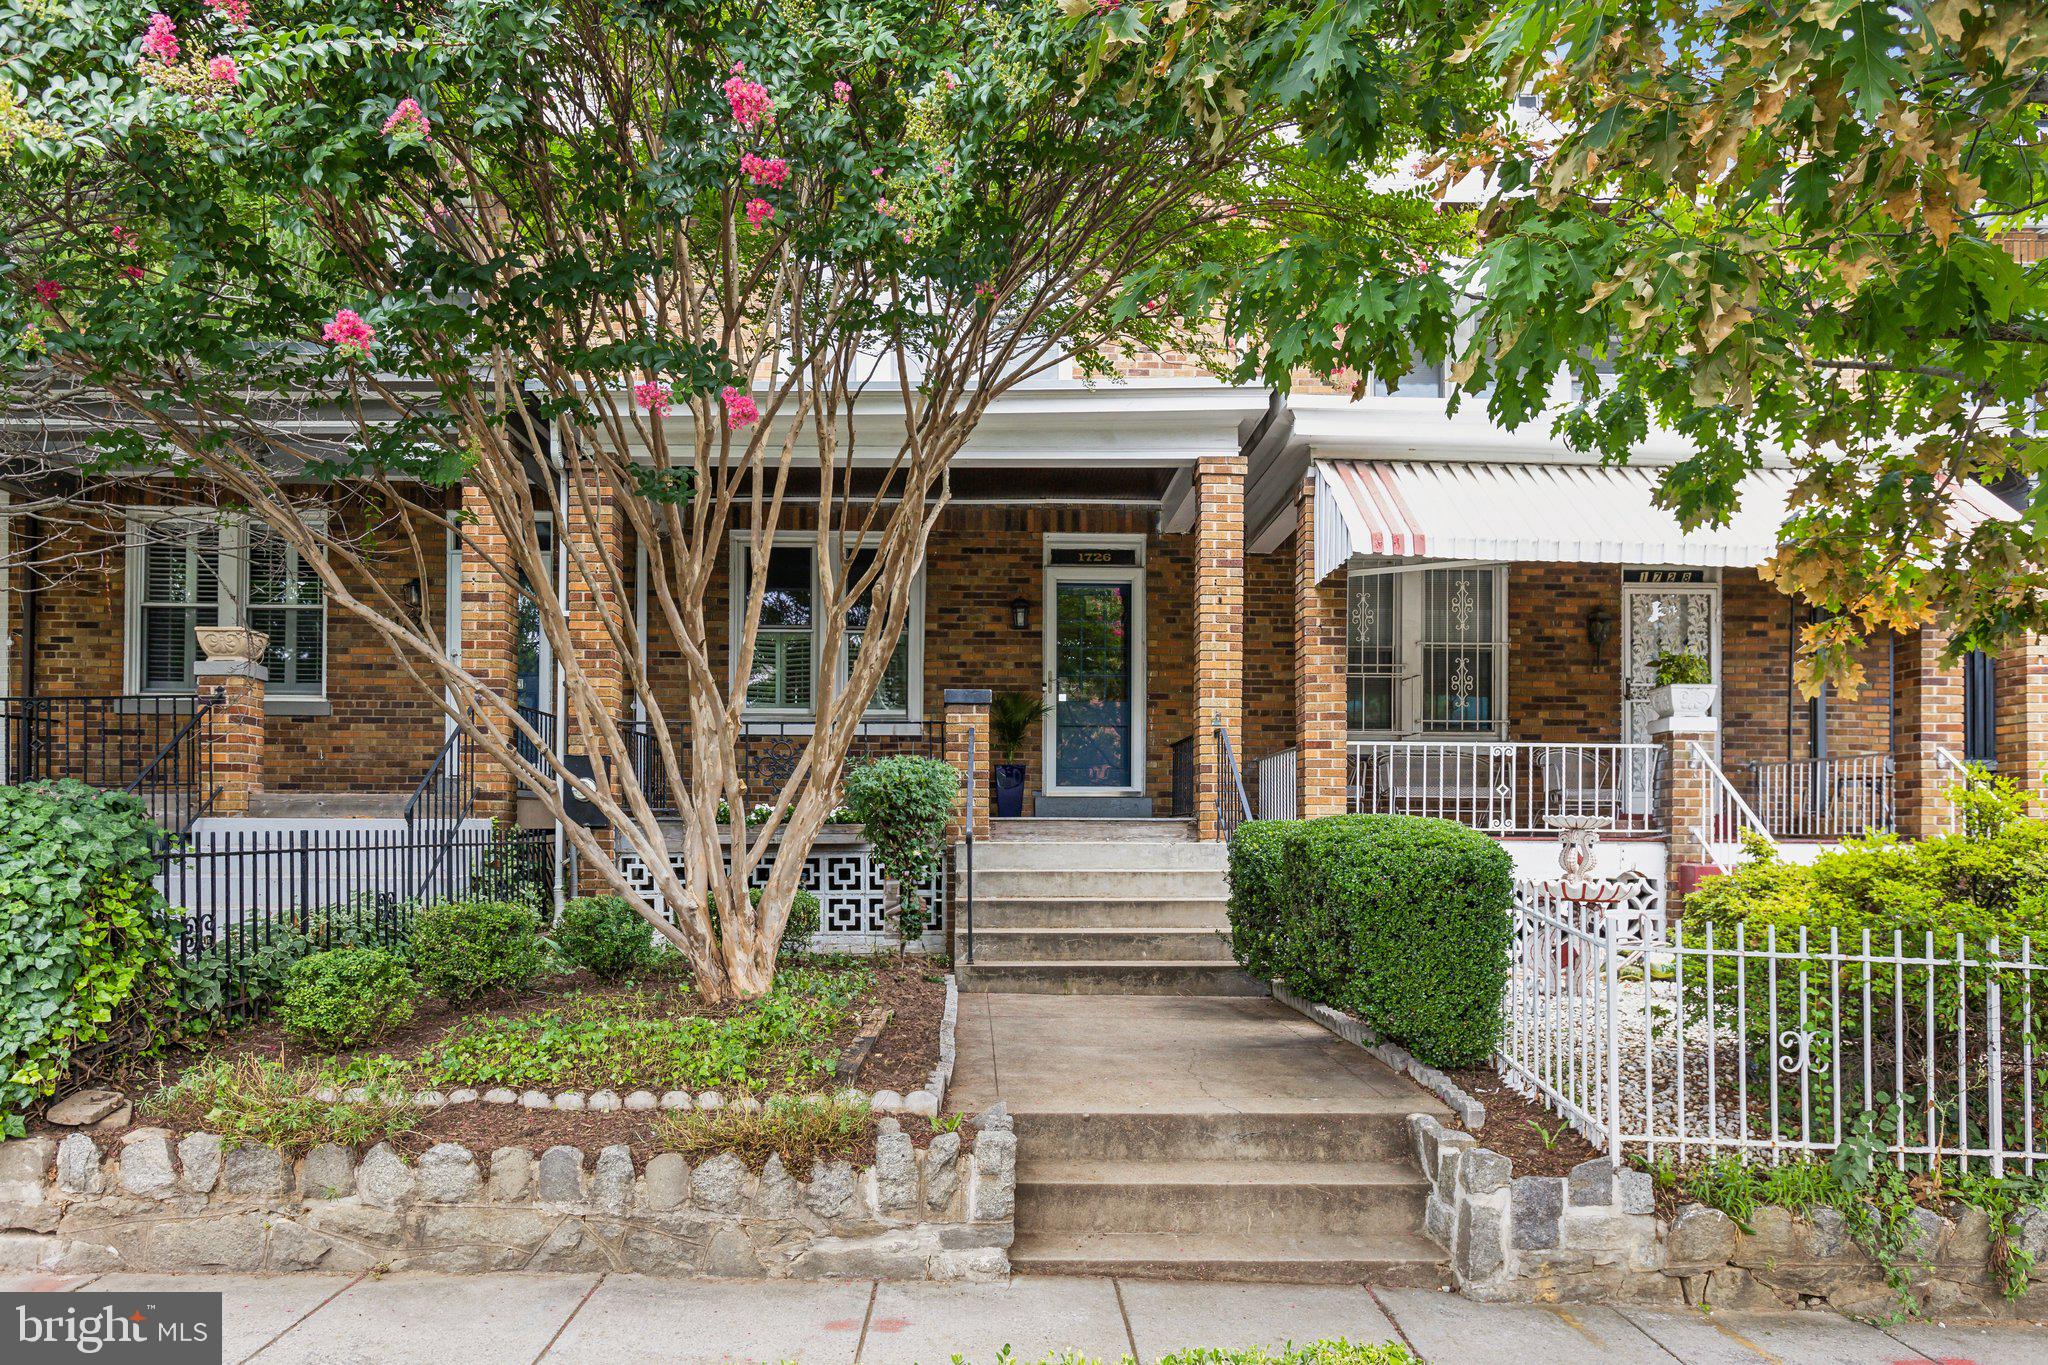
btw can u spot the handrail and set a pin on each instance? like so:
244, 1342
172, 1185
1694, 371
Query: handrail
1945, 757
417, 800
1729, 799
198, 799
1228, 759
973, 818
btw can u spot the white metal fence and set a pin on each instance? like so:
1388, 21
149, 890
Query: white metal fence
1279, 790
1506, 788
1823, 798
1727, 816
1707, 1041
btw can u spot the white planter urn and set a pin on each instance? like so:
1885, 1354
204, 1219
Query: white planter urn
1682, 701
231, 643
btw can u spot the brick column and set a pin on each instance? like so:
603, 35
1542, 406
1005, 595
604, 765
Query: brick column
1219, 632
231, 678
598, 534
490, 634
1319, 731
1683, 793
967, 714
2021, 716
1928, 717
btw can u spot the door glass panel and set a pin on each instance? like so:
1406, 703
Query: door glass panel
1092, 684
1678, 620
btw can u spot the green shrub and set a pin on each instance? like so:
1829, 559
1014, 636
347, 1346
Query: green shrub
347, 996
466, 949
903, 805
250, 973
1672, 667
1403, 922
606, 937
806, 917
86, 962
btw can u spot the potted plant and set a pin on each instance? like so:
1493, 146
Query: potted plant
1010, 718
1683, 685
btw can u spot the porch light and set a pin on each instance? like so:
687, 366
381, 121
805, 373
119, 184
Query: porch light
1020, 613
413, 596
1599, 630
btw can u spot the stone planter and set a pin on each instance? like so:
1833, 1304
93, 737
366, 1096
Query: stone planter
231, 642
1682, 701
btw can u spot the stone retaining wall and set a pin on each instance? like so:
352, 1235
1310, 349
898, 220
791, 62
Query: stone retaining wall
1595, 1235
198, 1204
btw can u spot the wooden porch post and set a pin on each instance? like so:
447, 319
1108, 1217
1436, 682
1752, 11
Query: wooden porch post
1928, 718
1319, 731
1219, 633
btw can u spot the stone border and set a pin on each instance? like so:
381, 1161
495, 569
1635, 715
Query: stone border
925, 1103
201, 1204
1469, 1111
1595, 1235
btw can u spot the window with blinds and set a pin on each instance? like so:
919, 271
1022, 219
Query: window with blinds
180, 590
780, 678
287, 604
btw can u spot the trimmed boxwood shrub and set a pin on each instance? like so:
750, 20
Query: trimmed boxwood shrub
346, 996
468, 948
1403, 922
605, 936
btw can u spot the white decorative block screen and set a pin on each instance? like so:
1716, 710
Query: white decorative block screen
848, 885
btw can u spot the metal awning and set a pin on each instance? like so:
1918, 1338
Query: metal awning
1584, 514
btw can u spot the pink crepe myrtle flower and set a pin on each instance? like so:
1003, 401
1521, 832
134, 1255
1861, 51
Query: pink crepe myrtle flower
652, 395
47, 290
224, 70
124, 236
749, 99
949, 80
765, 170
161, 41
1108, 6
759, 211
133, 272
408, 126
739, 409
235, 12
882, 207
908, 236
842, 92
945, 166
349, 334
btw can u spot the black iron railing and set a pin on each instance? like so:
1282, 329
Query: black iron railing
1182, 755
1232, 807
974, 807
543, 724
158, 748
769, 751
178, 783
239, 896
444, 798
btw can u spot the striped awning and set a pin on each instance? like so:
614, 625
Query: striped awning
1584, 514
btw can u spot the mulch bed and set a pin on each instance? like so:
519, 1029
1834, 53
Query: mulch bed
1520, 1129
901, 1009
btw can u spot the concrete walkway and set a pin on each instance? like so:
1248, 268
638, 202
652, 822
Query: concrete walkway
621, 1319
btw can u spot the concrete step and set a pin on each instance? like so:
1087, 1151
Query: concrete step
1100, 945
1038, 827
1078, 880
1393, 1261
1105, 978
346, 805
1093, 912
1115, 855
1234, 1199
1094, 807
1322, 1133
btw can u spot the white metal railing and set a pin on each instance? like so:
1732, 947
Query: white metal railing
1279, 789
1774, 1045
1823, 798
1726, 817
1507, 788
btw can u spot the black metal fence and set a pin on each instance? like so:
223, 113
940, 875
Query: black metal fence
769, 752
1182, 754
158, 748
249, 902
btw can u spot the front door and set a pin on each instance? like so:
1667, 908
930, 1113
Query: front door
1681, 619
1095, 679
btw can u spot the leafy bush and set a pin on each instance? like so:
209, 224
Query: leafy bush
86, 963
266, 1103
903, 804
1403, 922
1678, 668
806, 917
605, 936
468, 948
250, 972
801, 1129
347, 996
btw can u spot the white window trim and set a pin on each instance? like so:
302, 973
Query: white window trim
913, 631
232, 579
1408, 675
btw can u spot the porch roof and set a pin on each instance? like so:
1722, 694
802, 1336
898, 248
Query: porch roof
1586, 514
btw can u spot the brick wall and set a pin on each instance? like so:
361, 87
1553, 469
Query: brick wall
383, 728
1268, 652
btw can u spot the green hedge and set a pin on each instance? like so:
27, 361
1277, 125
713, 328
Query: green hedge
1402, 922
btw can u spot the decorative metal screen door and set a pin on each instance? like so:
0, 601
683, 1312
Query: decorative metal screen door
1681, 619
1094, 632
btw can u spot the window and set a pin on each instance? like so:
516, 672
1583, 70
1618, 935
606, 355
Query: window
188, 572
1426, 651
1980, 709
790, 637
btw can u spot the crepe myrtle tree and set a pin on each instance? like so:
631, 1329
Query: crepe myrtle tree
1814, 229
639, 265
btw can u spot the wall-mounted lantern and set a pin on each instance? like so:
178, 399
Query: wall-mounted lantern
1599, 630
1020, 613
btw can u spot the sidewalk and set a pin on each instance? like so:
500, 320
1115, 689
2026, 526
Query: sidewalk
618, 1319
